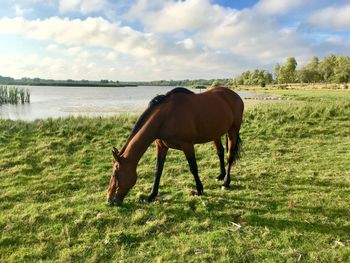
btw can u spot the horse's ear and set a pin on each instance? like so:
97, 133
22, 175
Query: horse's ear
115, 153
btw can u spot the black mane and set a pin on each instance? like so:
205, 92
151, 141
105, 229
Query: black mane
159, 99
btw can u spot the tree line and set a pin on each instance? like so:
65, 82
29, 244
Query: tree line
68, 82
106, 83
332, 69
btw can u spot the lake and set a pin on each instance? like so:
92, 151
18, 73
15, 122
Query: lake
56, 102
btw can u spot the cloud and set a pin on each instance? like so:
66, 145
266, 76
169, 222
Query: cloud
52, 47
140, 50
187, 43
255, 36
93, 32
83, 6
20, 11
166, 39
33, 65
270, 7
332, 18
42, 66
170, 16
78, 52
243, 33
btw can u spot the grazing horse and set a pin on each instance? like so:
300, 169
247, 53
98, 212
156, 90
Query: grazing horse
179, 119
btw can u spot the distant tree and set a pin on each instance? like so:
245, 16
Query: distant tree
287, 73
342, 70
277, 69
256, 77
6, 79
310, 72
267, 77
216, 83
326, 68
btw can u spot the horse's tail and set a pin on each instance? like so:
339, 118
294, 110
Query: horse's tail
237, 149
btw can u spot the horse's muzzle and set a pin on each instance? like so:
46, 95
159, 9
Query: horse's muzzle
116, 201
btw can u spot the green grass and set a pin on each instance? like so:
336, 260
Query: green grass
291, 191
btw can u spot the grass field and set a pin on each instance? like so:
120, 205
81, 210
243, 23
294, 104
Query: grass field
290, 200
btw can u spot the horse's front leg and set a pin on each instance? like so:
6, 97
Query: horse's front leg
191, 159
162, 151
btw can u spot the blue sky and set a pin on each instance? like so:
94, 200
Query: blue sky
165, 39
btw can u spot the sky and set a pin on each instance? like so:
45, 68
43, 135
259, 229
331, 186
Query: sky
142, 40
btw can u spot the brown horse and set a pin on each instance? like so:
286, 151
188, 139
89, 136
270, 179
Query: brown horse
179, 120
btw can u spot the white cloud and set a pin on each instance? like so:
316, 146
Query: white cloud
167, 58
332, 17
270, 7
83, 6
20, 11
52, 47
246, 33
93, 32
180, 39
170, 16
187, 43
78, 52
39, 65
32, 65
255, 36
111, 55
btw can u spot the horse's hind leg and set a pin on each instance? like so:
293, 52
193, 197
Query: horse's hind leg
162, 151
221, 153
233, 153
191, 158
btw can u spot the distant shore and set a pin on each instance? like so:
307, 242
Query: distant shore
67, 84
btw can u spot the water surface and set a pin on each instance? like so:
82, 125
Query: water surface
56, 102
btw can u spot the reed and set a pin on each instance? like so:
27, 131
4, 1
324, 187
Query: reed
14, 95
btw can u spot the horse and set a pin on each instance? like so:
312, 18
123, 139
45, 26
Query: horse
179, 120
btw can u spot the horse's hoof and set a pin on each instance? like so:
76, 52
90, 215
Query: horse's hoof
196, 193
220, 177
225, 187
150, 199
147, 199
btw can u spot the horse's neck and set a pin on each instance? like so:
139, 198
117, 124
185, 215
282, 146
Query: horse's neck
142, 140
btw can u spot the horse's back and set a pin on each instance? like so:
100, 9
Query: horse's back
228, 95
219, 102
203, 117
233, 100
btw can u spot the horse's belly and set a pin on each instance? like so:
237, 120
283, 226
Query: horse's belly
195, 132
212, 127
197, 121
208, 136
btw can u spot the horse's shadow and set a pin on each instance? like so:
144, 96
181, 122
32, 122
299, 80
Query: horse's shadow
211, 207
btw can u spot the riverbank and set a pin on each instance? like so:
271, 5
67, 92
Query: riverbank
289, 202
68, 84
294, 86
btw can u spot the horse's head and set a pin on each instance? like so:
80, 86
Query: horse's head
123, 178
